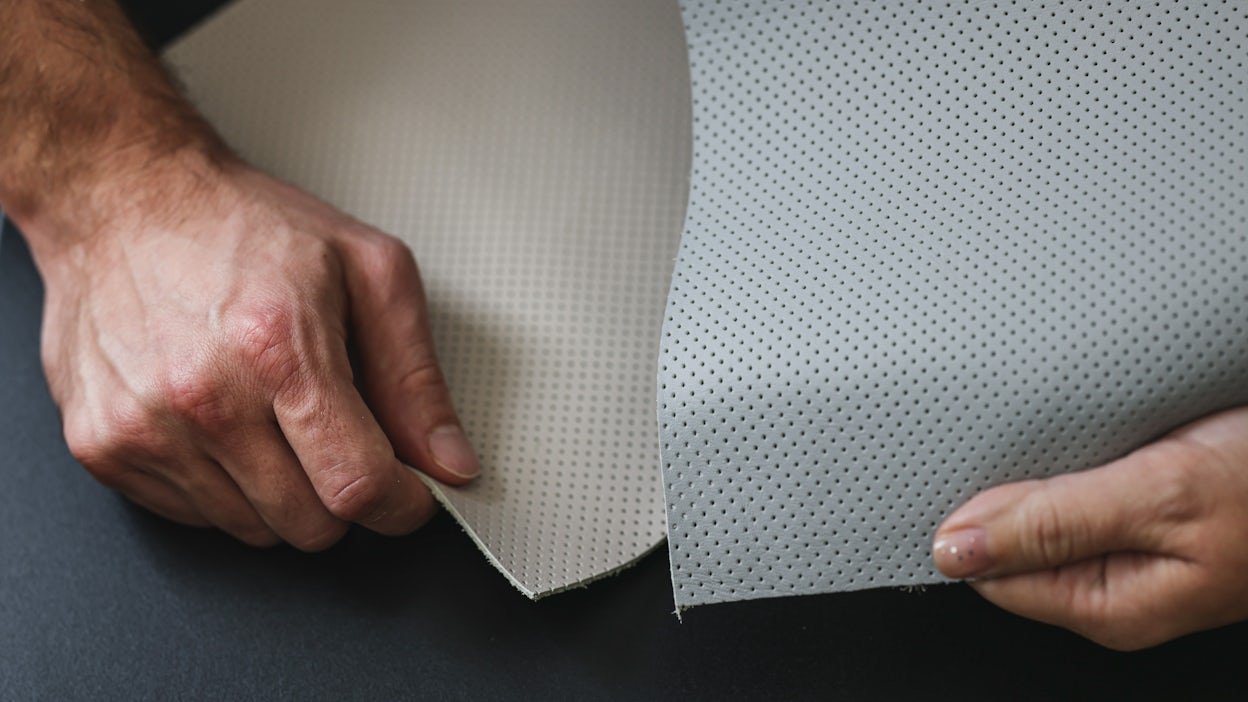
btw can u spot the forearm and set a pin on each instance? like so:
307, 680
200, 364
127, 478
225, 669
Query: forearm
88, 122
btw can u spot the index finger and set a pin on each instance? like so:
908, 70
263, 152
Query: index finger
347, 457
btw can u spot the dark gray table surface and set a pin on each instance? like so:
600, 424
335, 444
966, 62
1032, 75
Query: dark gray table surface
99, 600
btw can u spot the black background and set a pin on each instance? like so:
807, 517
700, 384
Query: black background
98, 600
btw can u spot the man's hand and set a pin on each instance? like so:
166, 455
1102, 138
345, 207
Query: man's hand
201, 367
199, 313
1131, 554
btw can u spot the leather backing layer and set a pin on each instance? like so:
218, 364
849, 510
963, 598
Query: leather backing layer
534, 156
932, 247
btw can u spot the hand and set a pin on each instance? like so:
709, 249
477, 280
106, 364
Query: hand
197, 344
1131, 554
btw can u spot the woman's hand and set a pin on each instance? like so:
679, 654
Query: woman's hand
1148, 548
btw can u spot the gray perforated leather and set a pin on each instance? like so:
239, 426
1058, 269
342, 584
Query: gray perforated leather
931, 247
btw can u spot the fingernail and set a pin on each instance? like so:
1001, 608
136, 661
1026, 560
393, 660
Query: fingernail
961, 553
452, 451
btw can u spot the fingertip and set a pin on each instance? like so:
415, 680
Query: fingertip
960, 546
962, 553
453, 455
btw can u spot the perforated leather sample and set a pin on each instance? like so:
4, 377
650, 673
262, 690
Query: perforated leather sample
534, 156
932, 247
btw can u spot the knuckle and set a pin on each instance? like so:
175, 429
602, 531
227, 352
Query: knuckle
264, 341
86, 444
354, 495
261, 333
425, 373
1049, 537
196, 397
316, 252
385, 248
386, 257
127, 433
318, 264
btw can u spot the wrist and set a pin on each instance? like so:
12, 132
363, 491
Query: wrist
124, 192
91, 126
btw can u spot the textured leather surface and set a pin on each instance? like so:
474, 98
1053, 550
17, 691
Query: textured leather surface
932, 247
534, 157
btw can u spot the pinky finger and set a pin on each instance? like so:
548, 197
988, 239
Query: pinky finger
160, 497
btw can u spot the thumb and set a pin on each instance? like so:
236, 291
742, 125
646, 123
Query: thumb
1128, 505
400, 374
